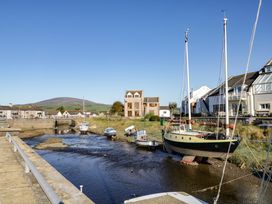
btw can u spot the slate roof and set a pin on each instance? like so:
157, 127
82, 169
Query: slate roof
235, 81
151, 99
164, 108
134, 91
269, 63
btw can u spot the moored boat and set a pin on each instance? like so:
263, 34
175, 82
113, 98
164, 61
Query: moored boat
168, 197
110, 132
200, 144
84, 127
143, 142
186, 141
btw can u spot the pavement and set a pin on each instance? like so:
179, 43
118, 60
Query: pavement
15, 185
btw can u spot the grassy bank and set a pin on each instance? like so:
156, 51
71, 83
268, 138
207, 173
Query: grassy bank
251, 153
98, 125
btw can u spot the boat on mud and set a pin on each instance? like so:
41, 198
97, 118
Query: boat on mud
143, 142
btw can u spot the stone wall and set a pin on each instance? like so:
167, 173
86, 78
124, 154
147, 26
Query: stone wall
27, 124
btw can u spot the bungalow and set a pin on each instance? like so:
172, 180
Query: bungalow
164, 112
66, 114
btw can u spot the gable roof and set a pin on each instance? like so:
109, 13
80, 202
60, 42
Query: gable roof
164, 108
269, 63
236, 81
134, 91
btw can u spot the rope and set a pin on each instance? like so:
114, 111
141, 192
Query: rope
227, 182
247, 66
267, 184
262, 192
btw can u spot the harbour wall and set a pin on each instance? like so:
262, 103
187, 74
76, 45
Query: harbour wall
31, 124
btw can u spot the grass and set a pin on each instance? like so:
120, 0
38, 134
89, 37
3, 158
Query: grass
98, 125
251, 153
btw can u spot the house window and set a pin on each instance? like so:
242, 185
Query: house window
137, 114
136, 95
129, 95
265, 106
218, 108
129, 105
137, 105
153, 105
129, 113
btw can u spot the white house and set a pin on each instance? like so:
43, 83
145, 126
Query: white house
237, 91
164, 112
58, 115
195, 97
66, 114
12, 112
262, 91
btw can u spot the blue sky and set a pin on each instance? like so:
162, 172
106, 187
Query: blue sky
99, 49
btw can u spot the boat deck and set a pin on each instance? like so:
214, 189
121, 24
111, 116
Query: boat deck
162, 198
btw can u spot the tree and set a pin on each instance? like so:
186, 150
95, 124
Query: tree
172, 106
117, 107
61, 109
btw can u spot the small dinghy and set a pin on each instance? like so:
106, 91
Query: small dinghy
142, 140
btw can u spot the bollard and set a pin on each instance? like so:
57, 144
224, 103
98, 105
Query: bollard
81, 188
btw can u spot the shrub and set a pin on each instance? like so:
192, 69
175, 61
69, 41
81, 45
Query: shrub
148, 116
154, 118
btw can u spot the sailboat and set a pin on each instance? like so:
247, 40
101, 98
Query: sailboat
84, 126
190, 142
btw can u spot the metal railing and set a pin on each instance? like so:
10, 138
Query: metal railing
29, 166
238, 96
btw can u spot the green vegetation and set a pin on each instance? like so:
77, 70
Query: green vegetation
117, 108
151, 117
172, 106
98, 125
61, 109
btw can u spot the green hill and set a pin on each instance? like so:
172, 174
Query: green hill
71, 104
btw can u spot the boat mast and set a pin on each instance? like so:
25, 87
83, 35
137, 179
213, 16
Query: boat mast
83, 108
226, 77
188, 80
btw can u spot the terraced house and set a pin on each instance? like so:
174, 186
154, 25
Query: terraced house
255, 95
136, 105
13, 112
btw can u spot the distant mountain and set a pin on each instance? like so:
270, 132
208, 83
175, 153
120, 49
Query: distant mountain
71, 104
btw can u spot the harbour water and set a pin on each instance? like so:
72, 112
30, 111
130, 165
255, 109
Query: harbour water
112, 172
